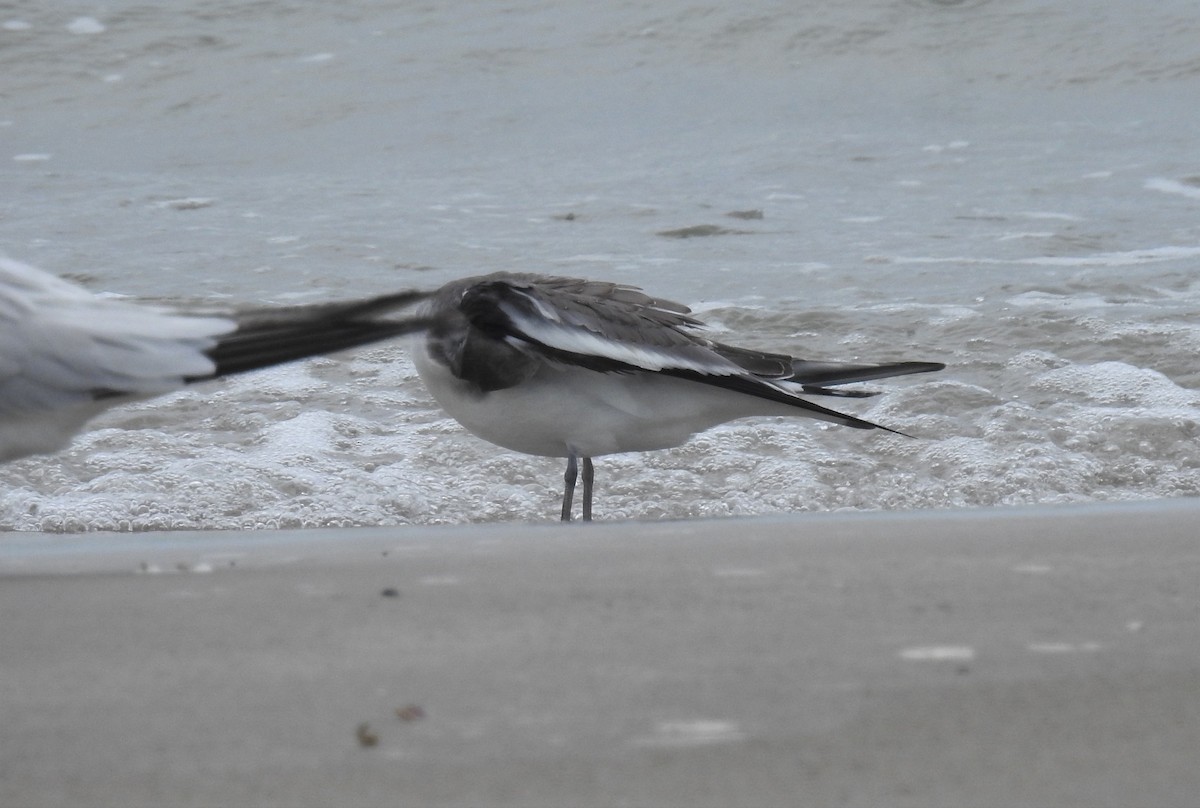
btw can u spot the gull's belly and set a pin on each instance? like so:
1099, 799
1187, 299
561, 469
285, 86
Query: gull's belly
560, 410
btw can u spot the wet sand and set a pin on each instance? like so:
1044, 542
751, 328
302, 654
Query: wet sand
995, 657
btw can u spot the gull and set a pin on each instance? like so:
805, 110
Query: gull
66, 355
564, 367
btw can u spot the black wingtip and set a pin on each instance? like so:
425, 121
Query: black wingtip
271, 336
925, 367
821, 374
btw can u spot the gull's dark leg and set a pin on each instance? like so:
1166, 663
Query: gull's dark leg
588, 474
569, 491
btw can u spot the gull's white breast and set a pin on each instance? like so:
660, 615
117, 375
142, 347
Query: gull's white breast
561, 409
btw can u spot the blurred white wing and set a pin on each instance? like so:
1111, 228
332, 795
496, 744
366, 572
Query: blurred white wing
60, 345
64, 354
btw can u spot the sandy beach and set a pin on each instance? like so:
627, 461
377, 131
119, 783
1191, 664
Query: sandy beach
1043, 656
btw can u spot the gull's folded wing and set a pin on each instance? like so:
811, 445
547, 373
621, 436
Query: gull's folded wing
619, 329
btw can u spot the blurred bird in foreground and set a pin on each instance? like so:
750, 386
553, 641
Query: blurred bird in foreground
66, 355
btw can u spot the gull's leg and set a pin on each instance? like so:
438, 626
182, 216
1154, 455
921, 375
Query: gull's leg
588, 474
569, 491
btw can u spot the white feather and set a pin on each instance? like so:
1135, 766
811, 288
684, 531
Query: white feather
59, 344
578, 340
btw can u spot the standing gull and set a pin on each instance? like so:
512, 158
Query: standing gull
562, 367
66, 355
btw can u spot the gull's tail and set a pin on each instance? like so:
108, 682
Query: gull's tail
270, 336
814, 378
781, 378
821, 374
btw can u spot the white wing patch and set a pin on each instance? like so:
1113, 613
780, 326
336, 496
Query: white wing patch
60, 343
577, 340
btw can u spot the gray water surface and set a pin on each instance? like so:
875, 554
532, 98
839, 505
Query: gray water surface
1011, 188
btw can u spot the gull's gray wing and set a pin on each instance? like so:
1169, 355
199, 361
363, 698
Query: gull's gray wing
604, 327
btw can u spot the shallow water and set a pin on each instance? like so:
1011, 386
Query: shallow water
1010, 188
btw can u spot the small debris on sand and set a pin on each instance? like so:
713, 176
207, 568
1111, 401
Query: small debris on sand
366, 737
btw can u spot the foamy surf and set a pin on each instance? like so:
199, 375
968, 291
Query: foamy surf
961, 186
